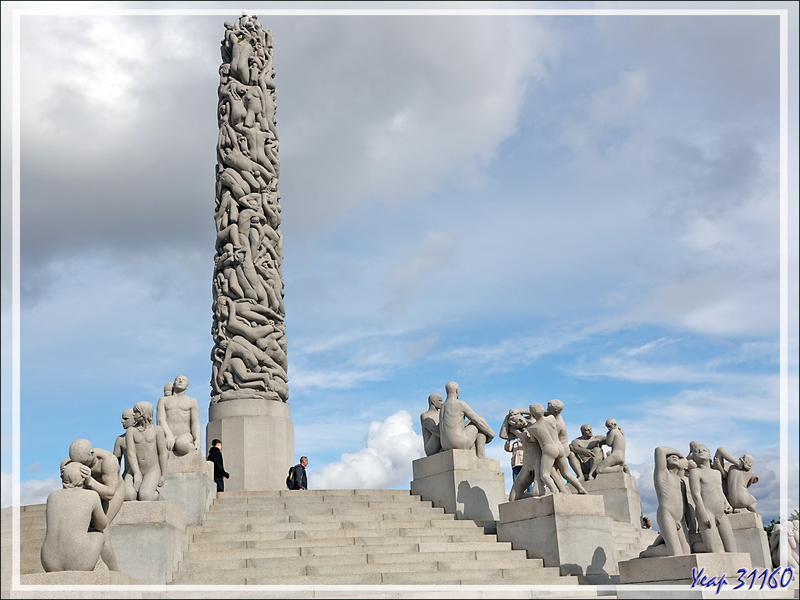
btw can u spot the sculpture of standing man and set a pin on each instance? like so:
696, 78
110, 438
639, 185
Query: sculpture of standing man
179, 416
454, 433
710, 503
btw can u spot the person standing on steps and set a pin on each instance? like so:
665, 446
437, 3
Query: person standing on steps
215, 456
299, 479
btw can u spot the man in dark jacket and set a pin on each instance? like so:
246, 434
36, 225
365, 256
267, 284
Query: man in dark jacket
215, 456
300, 481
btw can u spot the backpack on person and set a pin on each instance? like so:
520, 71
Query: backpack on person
290, 482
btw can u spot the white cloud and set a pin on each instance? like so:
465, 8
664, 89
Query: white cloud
33, 491
385, 462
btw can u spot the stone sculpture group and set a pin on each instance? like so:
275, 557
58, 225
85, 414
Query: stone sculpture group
94, 486
444, 426
548, 456
249, 355
695, 496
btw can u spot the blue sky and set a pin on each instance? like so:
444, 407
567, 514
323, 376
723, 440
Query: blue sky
573, 207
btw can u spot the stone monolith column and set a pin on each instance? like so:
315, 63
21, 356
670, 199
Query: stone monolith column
249, 410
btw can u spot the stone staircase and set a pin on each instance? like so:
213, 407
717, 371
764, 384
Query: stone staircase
348, 537
629, 540
32, 529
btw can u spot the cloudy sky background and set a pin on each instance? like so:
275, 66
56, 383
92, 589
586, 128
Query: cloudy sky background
573, 207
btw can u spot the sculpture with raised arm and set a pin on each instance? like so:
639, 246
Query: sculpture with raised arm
454, 433
711, 506
69, 544
430, 425
179, 416
736, 478
146, 452
672, 499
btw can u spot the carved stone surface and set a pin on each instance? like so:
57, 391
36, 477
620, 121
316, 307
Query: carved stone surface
249, 356
68, 545
179, 416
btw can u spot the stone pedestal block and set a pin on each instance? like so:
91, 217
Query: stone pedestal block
748, 530
149, 539
620, 496
462, 484
190, 485
257, 442
564, 530
115, 585
677, 571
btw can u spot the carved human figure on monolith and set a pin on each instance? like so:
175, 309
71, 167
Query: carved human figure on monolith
615, 460
454, 433
586, 452
672, 498
146, 452
736, 478
100, 469
179, 416
119, 452
68, 543
711, 506
430, 425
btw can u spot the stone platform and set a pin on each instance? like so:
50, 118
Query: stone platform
748, 531
565, 530
107, 584
462, 484
620, 496
189, 485
257, 442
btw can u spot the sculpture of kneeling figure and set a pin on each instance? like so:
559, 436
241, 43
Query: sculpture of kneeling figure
69, 544
146, 453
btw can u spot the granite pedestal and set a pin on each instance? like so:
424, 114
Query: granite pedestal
620, 496
257, 442
565, 530
748, 531
149, 539
121, 583
189, 485
463, 484
677, 571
